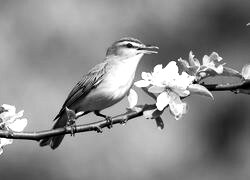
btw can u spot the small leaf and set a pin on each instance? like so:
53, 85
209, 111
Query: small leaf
151, 112
230, 72
245, 88
199, 89
132, 98
246, 71
159, 123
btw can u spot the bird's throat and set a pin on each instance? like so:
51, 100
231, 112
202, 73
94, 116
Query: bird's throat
121, 74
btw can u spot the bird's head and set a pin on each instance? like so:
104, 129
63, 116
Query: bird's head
129, 47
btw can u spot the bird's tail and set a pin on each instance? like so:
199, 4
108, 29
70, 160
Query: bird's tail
55, 141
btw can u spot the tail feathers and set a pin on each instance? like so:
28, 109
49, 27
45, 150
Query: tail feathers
55, 141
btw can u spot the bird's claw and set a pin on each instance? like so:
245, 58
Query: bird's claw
73, 130
72, 124
109, 121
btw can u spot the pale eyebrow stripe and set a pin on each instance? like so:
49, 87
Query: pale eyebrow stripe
130, 40
126, 42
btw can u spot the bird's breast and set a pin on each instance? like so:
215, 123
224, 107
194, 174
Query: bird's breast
114, 86
120, 77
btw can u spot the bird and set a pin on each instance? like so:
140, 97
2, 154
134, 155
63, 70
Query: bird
104, 85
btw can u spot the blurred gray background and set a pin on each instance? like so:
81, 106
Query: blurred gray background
46, 46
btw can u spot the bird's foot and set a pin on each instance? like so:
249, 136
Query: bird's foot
72, 124
109, 121
107, 118
71, 121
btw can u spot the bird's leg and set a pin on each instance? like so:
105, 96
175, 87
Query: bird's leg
71, 120
72, 116
108, 118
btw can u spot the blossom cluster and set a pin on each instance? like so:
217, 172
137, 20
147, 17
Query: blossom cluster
10, 121
177, 80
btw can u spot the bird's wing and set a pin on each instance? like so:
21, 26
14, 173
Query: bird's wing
84, 86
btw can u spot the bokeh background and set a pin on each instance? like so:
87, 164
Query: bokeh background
46, 46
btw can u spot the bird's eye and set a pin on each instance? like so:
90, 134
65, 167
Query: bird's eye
129, 45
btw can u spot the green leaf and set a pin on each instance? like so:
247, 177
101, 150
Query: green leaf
159, 123
246, 71
200, 90
151, 112
245, 88
230, 72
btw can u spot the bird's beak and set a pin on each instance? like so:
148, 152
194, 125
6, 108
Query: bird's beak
148, 49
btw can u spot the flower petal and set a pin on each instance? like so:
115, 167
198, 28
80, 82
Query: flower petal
132, 98
246, 71
157, 68
18, 125
19, 114
177, 107
171, 69
214, 56
162, 101
11, 111
4, 142
142, 83
146, 76
193, 61
156, 89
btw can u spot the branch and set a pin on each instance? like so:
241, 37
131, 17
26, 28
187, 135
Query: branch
96, 126
227, 87
119, 119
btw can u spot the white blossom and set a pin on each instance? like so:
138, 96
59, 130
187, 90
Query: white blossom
170, 87
11, 121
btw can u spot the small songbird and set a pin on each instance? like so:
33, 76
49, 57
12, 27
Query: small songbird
104, 85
